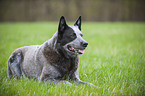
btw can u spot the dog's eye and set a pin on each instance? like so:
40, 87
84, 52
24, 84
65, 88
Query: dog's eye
73, 35
81, 35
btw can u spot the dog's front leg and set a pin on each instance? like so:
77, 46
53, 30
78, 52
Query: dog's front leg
49, 77
53, 81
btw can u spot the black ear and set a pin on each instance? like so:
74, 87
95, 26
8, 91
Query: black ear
78, 23
62, 24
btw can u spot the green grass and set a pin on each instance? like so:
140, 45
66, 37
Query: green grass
114, 59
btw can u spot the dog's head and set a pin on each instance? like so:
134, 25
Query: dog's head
70, 37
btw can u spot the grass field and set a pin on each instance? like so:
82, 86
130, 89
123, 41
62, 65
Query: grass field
114, 59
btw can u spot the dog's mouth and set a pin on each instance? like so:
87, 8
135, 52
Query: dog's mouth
74, 50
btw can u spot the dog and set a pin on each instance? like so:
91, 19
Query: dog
55, 61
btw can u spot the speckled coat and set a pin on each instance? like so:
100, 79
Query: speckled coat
43, 62
52, 61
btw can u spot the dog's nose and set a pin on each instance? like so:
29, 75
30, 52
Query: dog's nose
84, 44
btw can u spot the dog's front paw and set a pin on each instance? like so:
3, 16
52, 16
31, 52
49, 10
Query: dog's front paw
81, 82
93, 85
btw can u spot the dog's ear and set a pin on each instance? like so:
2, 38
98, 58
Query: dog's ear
62, 24
78, 22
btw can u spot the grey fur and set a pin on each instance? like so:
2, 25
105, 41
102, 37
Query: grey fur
45, 63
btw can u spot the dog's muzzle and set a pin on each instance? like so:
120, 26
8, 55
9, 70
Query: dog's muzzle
78, 50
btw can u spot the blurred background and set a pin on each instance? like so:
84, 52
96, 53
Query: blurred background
90, 10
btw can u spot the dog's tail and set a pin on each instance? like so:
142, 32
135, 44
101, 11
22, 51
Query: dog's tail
14, 64
9, 72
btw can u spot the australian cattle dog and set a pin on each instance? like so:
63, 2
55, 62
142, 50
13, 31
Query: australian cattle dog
55, 61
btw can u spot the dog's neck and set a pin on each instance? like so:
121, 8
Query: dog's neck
52, 42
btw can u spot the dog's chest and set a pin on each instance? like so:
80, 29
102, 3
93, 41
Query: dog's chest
64, 66
67, 64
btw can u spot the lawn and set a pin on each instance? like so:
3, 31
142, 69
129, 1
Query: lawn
114, 59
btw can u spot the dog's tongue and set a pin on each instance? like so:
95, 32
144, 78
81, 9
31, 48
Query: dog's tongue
77, 50
81, 51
